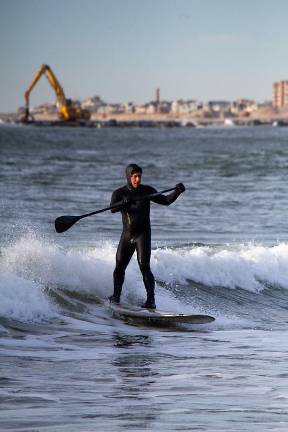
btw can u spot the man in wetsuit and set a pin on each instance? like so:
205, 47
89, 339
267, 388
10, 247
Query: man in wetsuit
136, 234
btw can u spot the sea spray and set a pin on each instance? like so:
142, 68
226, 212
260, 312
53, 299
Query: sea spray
50, 265
85, 271
23, 300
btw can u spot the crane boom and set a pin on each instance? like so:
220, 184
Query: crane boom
66, 109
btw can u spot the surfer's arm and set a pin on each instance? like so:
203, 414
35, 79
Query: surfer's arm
116, 199
169, 199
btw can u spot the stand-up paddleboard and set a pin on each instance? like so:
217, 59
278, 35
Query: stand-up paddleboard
124, 310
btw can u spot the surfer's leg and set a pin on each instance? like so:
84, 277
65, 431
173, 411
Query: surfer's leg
143, 247
124, 254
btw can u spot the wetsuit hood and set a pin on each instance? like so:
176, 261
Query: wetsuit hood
130, 170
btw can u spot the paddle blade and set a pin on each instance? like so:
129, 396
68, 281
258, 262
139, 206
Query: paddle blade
63, 223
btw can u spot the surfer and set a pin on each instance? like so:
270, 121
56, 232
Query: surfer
136, 234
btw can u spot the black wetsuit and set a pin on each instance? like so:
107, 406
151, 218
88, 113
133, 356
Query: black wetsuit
136, 234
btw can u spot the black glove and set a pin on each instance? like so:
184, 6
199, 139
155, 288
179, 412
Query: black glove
180, 188
126, 204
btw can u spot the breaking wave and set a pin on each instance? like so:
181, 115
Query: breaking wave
32, 268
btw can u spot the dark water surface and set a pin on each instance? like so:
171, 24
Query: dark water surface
66, 364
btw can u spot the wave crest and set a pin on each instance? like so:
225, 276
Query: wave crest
31, 266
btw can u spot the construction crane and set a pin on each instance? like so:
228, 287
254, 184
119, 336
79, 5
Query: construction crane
66, 109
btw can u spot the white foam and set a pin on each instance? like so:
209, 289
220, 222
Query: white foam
23, 300
86, 271
249, 267
31, 264
46, 263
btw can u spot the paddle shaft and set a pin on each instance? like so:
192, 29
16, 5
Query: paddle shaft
63, 223
120, 203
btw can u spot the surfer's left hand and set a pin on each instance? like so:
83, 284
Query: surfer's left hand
180, 188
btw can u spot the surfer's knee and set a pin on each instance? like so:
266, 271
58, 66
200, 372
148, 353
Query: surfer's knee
144, 267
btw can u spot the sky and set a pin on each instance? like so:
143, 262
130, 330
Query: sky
122, 50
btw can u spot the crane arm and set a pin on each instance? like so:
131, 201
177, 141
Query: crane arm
65, 107
47, 71
56, 86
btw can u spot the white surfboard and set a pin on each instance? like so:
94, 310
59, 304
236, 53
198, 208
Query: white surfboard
125, 310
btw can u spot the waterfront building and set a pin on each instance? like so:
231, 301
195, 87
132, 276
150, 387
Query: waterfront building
218, 106
184, 107
140, 109
93, 103
280, 94
243, 107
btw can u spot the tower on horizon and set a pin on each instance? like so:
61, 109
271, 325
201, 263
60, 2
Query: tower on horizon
280, 94
157, 99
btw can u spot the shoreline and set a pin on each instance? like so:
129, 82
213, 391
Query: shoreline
149, 120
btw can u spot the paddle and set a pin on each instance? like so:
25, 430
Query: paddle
63, 223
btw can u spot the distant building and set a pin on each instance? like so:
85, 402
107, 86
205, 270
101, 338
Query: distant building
218, 106
280, 94
45, 108
140, 109
165, 107
92, 104
128, 107
151, 108
184, 107
243, 107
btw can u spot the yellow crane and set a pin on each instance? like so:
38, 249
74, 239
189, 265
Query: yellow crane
66, 109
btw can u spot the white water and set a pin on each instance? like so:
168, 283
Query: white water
31, 264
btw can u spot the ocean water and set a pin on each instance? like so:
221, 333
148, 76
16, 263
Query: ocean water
66, 363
